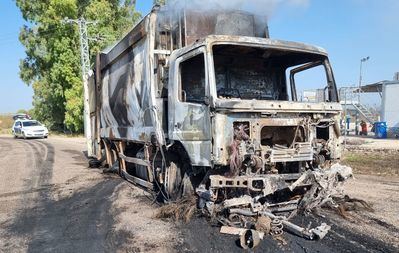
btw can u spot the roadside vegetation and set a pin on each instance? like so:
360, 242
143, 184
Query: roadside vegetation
52, 63
6, 122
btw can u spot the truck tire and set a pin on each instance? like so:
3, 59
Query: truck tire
174, 182
179, 183
94, 163
188, 189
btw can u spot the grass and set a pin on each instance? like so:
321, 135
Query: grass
64, 135
373, 162
6, 123
360, 158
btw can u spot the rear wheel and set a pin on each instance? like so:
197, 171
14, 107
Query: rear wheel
94, 163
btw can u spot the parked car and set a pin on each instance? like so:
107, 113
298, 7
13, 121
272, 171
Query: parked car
26, 128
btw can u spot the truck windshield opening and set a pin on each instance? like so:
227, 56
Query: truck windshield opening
246, 72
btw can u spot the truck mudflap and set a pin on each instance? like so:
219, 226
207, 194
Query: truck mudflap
240, 202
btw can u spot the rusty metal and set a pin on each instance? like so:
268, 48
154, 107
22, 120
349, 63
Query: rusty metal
280, 222
263, 224
276, 227
249, 239
134, 160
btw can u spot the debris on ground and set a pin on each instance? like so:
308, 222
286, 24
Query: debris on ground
251, 214
181, 210
347, 204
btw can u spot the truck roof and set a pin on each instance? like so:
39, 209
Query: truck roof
146, 29
259, 42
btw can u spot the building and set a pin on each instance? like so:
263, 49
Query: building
389, 92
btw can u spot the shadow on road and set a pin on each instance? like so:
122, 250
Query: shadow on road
81, 222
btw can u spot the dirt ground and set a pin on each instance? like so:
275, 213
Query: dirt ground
51, 202
369, 143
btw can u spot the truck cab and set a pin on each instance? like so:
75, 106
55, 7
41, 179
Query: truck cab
234, 105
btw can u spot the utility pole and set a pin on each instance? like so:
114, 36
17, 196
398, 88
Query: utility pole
85, 65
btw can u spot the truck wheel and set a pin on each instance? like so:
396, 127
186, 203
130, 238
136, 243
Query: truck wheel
94, 163
174, 182
188, 189
179, 184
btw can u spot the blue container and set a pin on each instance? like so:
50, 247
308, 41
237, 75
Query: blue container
380, 130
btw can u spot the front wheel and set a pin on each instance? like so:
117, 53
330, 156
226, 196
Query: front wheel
178, 182
173, 181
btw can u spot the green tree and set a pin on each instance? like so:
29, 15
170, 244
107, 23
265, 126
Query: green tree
29, 112
52, 63
159, 2
22, 111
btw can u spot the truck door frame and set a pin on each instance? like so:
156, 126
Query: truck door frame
190, 122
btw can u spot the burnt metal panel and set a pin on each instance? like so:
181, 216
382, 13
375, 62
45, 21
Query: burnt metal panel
199, 24
135, 35
125, 108
235, 23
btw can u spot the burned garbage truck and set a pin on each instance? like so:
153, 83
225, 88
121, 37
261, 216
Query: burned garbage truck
206, 102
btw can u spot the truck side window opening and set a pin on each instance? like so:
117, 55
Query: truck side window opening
192, 72
311, 84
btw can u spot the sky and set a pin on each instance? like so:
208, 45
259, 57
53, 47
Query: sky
348, 29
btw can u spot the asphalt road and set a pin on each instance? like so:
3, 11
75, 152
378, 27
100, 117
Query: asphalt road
32, 217
51, 202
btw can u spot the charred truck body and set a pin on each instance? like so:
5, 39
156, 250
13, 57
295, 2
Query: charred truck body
209, 100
